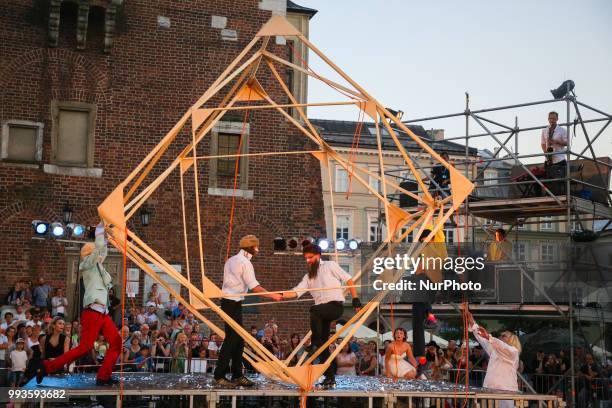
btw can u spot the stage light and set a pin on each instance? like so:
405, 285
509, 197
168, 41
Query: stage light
307, 241
324, 244
77, 230
57, 230
341, 244
563, 89
40, 227
293, 243
280, 244
354, 244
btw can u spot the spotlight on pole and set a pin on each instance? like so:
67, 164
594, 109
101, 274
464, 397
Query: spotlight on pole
40, 227
341, 244
354, 244
280, 244
563, 89
293, 244
324, 244
57, 230
76, 230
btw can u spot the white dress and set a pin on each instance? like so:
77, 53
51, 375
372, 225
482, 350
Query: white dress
398, 366
502, 366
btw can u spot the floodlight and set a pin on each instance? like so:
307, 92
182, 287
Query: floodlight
77, 230
341, 244
324, 244
280, 244
354, 244
563, 89
293, 243
40, 227
57, 230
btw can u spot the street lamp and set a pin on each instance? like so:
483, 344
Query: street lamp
145, 216
67, 212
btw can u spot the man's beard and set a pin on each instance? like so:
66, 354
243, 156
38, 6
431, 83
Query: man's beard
313, 269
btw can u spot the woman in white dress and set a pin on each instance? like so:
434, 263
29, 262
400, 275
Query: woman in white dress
503, 354
396, 365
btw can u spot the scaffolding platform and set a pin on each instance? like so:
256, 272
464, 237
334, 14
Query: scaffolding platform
199, 390
509, 209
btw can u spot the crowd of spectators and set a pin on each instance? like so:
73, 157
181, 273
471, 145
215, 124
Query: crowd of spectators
165, 337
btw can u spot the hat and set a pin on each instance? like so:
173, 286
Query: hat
432, 343
249, 241
87, 249
20, 340
150, 304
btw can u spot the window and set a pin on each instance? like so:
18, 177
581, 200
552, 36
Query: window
520, 252
73, 133
489, 177
343, 226
347, 268
374, 182
520, 224
22, 141
225, 140
576, 226
228, 144
374, 234
341, 180
546, 224
408, 237
449, 235
547, 252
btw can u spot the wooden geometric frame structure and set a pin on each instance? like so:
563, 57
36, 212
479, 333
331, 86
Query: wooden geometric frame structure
238, 84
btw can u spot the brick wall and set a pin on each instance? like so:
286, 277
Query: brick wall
151, 76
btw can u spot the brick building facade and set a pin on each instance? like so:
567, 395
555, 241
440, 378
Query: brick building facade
133, 69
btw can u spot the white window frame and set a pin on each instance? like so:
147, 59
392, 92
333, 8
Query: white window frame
520, 250
340, 170
488, 177
348, 215
373, 182
372, 218
550, 256
546, 223
448, 234
6, 127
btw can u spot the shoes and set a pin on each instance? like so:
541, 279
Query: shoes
430, 323
243, 382
41, 372
224, 383
110, 381
329, 383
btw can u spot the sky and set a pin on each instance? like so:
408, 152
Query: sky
422, 56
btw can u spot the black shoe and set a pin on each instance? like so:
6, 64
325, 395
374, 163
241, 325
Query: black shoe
243, 382
110, 381
329, 382
224, 383
41, 372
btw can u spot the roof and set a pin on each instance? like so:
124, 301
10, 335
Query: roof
296, 8
340, 133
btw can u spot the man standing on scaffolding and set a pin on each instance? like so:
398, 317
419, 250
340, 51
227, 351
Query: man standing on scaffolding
328, 276
554, 140
238, 277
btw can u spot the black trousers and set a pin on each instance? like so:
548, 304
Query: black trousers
421, 306
233, 344
321, 316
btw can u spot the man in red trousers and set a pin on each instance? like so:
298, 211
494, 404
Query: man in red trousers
95, 318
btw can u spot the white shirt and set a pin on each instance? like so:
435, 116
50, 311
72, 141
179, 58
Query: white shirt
329, 275
558, 142
58, 305
3, 340
19, 360
503, 363
238, 275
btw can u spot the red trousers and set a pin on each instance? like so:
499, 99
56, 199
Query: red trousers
92, 323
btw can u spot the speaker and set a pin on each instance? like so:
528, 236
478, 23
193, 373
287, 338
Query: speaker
405, 200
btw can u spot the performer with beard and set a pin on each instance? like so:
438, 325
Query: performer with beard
328, 303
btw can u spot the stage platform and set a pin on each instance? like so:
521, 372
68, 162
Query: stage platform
197, 390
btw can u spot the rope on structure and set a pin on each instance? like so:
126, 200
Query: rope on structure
236, 168
304, 392
121, 384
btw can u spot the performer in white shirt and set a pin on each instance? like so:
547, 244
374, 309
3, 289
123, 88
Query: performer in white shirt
503, 354
328, 303
238, 277
554, 140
